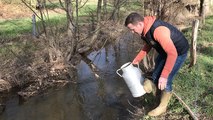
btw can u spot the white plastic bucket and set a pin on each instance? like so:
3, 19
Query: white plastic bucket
133, 78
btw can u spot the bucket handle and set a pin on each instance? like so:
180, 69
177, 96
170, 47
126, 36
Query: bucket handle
138, 67
118, 72
120, 69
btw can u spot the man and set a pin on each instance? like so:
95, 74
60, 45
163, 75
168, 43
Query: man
172, 47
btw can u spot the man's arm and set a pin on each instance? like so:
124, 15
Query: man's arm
141, 54
162, 35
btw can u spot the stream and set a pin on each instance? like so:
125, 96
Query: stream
105, 98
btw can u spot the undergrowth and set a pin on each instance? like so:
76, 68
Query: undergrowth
194, 85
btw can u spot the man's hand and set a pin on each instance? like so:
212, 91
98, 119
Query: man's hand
162, 83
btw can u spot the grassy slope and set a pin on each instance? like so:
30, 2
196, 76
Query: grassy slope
12, 28
194, 85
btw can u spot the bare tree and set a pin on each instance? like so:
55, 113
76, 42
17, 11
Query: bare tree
71, 30
105, 9
201, 10
52, 39
115, 12
95, 27
98, 26
99, 10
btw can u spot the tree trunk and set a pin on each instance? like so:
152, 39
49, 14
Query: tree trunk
42, 18
115, 13
105, 9
99, 10
69, 13
203, 14
193, 52
201, 11
71, 31
97, 30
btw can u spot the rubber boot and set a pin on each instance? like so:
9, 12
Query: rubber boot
149, 87
165, 97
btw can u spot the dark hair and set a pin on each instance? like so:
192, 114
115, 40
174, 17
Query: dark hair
133, 18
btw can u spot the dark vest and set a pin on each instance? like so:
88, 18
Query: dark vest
177, 37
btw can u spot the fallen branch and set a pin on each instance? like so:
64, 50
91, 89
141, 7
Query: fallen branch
186, 106
133, 113
132, 105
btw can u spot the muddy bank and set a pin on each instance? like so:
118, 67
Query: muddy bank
29, 73
97, 93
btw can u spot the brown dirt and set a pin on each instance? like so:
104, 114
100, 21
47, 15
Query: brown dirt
16, 11
4, 85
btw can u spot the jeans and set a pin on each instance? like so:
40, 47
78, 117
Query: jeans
159, 65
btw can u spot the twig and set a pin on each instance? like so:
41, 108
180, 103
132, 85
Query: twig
23, 1
132, 112
131, 104
186, 106
83, 5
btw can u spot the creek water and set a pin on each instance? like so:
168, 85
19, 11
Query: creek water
90, 98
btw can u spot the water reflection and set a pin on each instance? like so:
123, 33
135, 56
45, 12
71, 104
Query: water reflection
104, 98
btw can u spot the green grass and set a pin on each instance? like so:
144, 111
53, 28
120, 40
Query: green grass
194, 85
53, 5
12, 28
87, 10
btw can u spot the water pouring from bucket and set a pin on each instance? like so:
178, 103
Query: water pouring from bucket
133, 77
